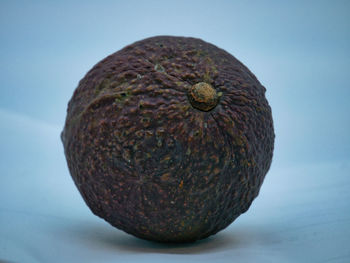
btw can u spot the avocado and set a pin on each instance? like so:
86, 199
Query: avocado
169, 139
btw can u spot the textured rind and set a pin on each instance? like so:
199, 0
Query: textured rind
148, 162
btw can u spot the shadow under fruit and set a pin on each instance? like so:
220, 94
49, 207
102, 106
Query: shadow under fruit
169, 139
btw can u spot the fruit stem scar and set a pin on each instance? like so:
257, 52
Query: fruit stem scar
203, 96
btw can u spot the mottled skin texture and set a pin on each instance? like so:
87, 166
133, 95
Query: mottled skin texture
151, 164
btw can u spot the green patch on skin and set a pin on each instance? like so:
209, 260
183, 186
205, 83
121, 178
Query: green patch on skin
184, 108
158, 67
239, 141
74, 120
108, 83
103, 85
141, 104
206, 77
245, 163
202, 53
159, 143
146, 120
210, 70
122, 96
261, 109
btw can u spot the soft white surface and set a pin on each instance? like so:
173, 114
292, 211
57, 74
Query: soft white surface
301, 215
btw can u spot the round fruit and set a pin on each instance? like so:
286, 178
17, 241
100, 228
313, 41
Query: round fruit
169, 139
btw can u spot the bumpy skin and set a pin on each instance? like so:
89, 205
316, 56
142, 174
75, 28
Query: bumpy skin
152, 165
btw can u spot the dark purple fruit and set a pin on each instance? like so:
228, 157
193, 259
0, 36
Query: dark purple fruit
169, 139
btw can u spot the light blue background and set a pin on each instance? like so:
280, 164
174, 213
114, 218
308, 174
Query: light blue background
299, 50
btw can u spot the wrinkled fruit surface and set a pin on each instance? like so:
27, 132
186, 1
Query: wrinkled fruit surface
169, 139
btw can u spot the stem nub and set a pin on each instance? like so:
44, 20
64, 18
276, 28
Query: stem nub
203, 96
